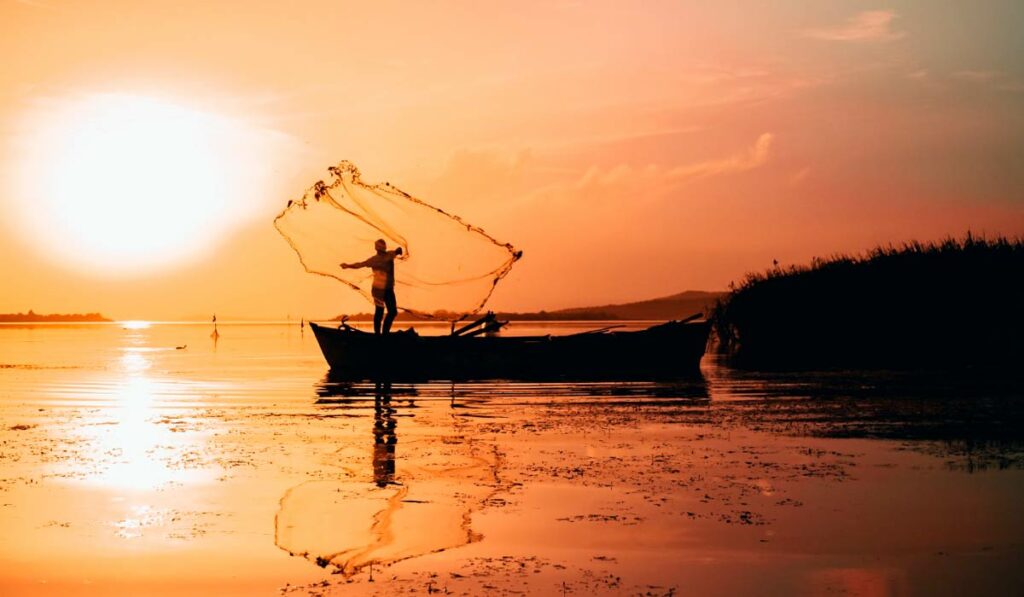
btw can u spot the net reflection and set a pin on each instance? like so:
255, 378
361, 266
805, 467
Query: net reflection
394, 513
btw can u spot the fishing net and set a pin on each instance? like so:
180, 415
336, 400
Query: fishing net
447, 270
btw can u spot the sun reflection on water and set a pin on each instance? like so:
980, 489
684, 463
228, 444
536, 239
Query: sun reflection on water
136, 451
135, 324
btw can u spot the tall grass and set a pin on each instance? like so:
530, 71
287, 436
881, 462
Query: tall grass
954, 302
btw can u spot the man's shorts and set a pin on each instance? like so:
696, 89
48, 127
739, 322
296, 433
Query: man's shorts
384, 297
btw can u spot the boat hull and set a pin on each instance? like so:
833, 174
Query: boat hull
673, 349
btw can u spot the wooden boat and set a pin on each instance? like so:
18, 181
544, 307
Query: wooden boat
668, 350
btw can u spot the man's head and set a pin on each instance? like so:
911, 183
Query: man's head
380, 245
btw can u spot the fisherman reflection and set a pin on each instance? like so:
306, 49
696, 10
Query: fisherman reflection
384, 437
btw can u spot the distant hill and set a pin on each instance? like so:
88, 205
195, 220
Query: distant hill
33, 317
675, 306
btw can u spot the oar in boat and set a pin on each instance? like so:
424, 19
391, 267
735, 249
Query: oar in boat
469, 326
621, 325
598, 330
492, 326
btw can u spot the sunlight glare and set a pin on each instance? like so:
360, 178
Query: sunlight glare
135, 324
122, 183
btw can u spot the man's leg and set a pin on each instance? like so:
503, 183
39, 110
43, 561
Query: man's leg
392, 305
378, 314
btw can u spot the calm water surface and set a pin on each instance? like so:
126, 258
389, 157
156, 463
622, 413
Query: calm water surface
153, 459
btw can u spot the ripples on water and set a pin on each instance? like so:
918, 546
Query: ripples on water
147, 409
278, 364
976, 416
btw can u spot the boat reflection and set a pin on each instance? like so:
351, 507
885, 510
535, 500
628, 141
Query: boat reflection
334, 391
970, 420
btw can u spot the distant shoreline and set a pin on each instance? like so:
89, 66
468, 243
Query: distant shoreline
33, 317
676, 306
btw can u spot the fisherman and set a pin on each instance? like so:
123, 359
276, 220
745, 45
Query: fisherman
383, 291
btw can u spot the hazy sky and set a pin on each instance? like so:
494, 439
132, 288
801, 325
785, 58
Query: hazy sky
631, 149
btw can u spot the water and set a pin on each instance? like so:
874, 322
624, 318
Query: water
153, 459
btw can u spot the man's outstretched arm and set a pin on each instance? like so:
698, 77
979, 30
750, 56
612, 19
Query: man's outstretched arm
356, 265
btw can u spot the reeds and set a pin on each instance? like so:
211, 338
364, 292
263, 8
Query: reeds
958, 301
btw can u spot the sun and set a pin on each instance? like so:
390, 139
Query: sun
121, 183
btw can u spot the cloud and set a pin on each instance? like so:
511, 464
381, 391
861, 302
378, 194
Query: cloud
660, 181
754, 157
481, 183
473, 176
871, 25
35, 4
977, 76
992, 78
798, 177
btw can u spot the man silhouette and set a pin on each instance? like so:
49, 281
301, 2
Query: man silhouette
383, 290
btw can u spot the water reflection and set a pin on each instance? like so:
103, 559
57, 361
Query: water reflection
385, 437
346, 396
974, 420
977, 422
388, 515
135, 324
671, 471
133, 437
332, 390
131, 443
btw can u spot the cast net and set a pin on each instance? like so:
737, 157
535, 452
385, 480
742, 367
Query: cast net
448, 268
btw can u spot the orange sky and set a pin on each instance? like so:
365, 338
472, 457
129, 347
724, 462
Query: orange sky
630, 149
